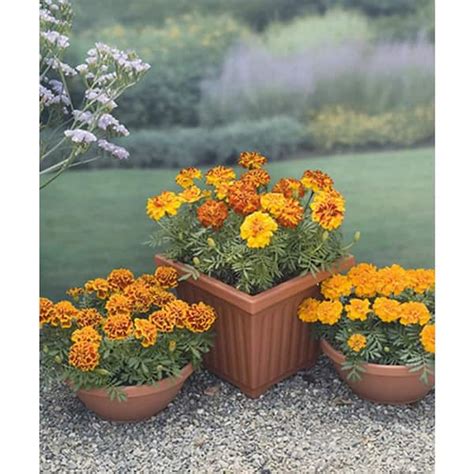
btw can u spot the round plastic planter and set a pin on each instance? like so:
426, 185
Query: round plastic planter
389, 384
143, 401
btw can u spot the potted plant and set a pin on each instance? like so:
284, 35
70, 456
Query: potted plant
254, 252
126, 345
378, 329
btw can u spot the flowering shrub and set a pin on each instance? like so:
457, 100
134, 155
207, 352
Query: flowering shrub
382, 316
245, 232
122, 330
106, 74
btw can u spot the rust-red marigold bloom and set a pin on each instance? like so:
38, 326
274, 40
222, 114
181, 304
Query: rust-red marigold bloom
88, 317
63, 314
139, 296
290, 188
200, 317
118, 327
178, 310
46, 311
118, 304
146, 332
119, 279
84, 355
167, 277
161, 296
163, 319
328, 209
256, 178
212, 214
317, 180
291, 215
251, 160
243, 198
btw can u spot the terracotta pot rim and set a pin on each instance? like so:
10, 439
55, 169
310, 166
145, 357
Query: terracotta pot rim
133, 391
370, 368
253, 304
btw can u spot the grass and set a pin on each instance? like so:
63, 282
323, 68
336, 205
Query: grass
94, 221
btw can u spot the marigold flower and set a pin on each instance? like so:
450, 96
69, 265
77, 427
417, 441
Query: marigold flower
243, 198
328, 209
200, 317
88, 317
219, 174
357, 342
167, 277
148, 280
63, 313
364, 278
307, 310
179, 311
86, 334
212, 214
165, 203
251, 160
291, 215
336, 286
257, 229
357, 309
317, 181
139, 296
164, 320
118, 304
119, 279
46, 311
222, 189
386, 309
421, 280
427, 338
414, 312
84, 356
117, 328
98, 285
161, 296
392, 280
274, 203
290, 188
75, 292
186, 177
145, 331
329, 312
256, 177
191, 194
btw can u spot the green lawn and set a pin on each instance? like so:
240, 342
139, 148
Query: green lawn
94, 221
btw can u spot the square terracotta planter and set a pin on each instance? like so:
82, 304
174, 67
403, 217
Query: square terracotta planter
259, 339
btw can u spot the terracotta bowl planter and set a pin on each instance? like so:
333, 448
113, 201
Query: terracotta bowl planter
259, 339
389, 384
143, 401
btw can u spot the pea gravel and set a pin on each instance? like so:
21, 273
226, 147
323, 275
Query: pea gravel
309, 423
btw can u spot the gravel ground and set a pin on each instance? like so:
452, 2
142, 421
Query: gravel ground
309, 423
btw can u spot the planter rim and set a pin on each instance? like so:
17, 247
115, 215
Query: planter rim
370, 368
253, 304
144, 390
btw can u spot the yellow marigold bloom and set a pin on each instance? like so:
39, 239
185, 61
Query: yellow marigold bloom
63, 313
307, 310
274, 203
257, 229
317, 181
75, 292
167, 277
251, 160
329, 312
161, 296
392, 280
88, 317
328, 209
119, 279
219, 174
46, 311
357, 342
145, 331
164, 320
357, 309
118, 327
386, 309
186, 177
191, 194
336, 286
118, 304
414, 312
84, 356
200, 317
212, 214
256, 177
179, 311
222, 189
139, 296
86, 334
99, 286
243, 198
290, 188
291, 215
165, 203
364, 279
421, 280
427, 338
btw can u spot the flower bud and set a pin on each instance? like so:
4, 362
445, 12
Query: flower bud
102, 372
325, 235
58, 359
211, 242
357, 236
172, 346
386, 349
196, 261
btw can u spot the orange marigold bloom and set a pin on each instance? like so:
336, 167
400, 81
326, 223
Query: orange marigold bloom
256, 177
167, 277
251, 160
329, 312
290, 188
386, 309
317, 181
88, 317
164, 320
243, 198
118, 304
212, 214
336, 286
179, 311
274, 203
148, 280
328, 209
427, 338
46, 311
186, 177
421, 280
166, 203
86, 334
357, 342
357, 309
84, 356
291, 215
98, 285
139, 296
200, 317
392, 280
414, 312
75, 292
219, 174
63, 314
307, 310
161, 296
118, 327
364, 278
191, 194
119, 279
146, 332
